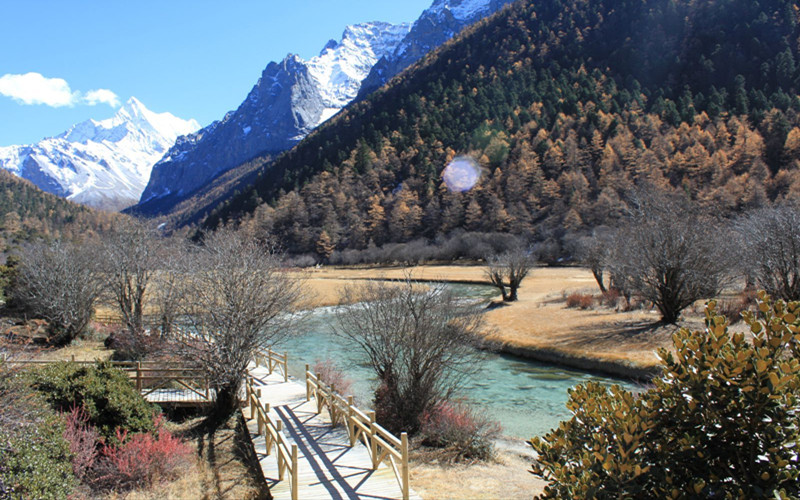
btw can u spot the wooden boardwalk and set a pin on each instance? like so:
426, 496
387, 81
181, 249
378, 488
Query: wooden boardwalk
328, 468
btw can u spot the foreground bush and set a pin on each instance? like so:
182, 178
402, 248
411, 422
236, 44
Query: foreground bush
721, 423
109, 399
34, 457
464, 434
35, 462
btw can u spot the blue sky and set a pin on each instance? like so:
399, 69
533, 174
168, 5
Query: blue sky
196, 59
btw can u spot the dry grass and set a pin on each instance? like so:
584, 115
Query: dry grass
82, 350
504, 478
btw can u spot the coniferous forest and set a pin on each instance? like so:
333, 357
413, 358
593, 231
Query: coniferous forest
567, 106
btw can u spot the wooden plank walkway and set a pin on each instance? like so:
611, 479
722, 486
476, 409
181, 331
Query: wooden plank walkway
328, 467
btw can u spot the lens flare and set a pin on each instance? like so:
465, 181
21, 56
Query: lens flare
462, 174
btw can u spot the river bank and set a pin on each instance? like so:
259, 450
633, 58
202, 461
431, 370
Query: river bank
539, 326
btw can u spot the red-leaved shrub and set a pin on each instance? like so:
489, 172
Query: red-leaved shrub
140, 460
460, 430
83, 439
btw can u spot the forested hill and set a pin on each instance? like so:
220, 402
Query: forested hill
27, 212
567, 105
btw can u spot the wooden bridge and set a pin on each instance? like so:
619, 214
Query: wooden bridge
313, 443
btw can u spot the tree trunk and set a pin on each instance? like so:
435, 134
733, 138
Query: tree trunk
227, 402
512, 295
598, 276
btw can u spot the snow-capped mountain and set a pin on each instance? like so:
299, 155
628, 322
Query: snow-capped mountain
437, 24
104, 164
290, 99
294, 96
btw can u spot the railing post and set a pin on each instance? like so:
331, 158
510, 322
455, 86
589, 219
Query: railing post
281, 465
332, 405
319, 399
404, 465
247, 382
308, 384
294, 472
373, 443
351, 427
139, 376
285, 366
72, 358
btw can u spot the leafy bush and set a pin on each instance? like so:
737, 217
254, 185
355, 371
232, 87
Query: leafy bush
35, 463
721, 423
461, 431
140, 460
34, 457
104, 392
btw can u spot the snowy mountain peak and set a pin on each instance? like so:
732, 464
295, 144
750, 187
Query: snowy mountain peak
462, 9
104, 163
341, 66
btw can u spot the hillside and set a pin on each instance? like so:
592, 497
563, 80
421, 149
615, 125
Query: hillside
26, 213
566, 106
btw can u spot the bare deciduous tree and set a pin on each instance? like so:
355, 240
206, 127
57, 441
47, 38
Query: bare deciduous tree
129, 258
419, 341
168, 290
593, 251
60, 283
507, 270
770, 239
238, 300
669, 255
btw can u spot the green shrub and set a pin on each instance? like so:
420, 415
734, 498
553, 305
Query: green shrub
105, 393
721, 423
35, 462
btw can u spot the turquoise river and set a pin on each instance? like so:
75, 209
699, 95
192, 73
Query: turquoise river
527, 398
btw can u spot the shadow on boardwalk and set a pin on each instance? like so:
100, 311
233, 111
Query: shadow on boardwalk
328, 468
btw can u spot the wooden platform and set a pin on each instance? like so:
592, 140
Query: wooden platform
328, 467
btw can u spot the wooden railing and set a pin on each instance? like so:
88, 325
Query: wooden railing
382, 444
272, 430
273, 360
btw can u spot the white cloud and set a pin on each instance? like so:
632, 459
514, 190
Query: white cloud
33, 88
101, 96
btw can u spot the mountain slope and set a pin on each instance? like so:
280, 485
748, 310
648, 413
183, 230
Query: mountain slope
565, 105
104, 164
290, 99
27, 213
